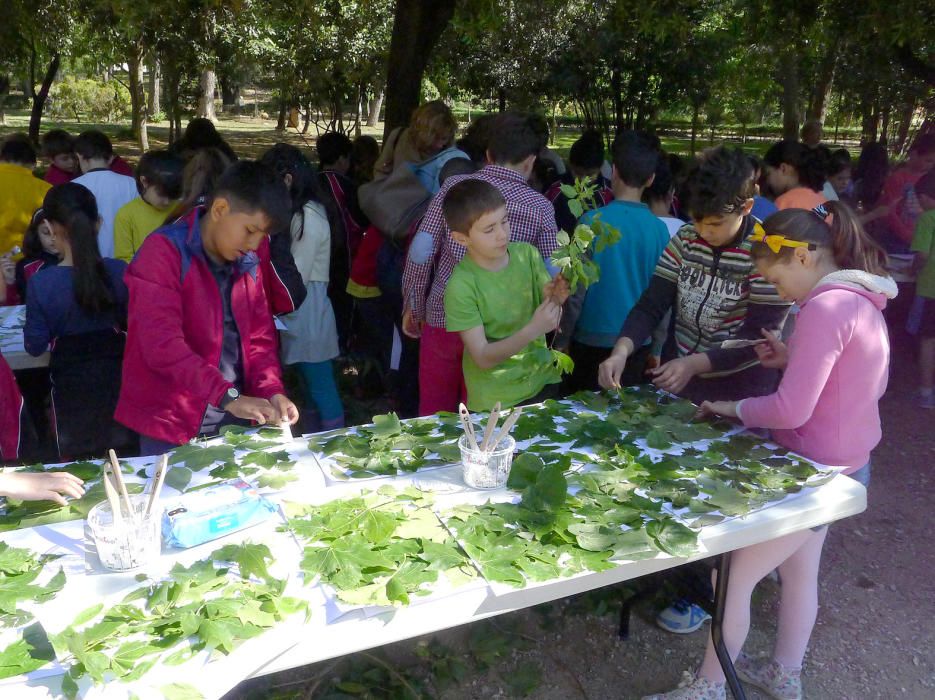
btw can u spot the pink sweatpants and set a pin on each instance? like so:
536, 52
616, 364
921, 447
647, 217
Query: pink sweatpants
441, 378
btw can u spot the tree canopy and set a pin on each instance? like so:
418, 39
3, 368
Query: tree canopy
611, 63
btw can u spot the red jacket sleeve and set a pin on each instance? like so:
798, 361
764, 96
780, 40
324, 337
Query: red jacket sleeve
155, 318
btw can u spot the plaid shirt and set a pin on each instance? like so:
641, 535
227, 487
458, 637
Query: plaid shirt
532, 219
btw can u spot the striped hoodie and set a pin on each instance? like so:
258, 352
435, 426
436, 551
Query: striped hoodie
717, 295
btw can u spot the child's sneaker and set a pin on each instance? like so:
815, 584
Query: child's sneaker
693, 688
682, 617
925, 400
770, 676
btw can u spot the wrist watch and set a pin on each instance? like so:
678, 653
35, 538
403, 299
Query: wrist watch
227, 397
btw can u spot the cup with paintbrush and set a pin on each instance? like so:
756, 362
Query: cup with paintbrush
486, 463
126, 529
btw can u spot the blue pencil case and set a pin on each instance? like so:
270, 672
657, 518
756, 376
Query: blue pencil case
201, 516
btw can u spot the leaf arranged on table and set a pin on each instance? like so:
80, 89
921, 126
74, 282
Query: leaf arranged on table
201, 607
197, 456
380, 548
390, 447
19, 569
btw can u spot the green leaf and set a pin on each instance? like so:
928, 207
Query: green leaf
524, 471
276, 481
673, 537
32, 651
251, 559
197, 457
181, 691
658, 440
178, 478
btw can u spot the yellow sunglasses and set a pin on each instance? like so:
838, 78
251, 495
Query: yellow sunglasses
775, 242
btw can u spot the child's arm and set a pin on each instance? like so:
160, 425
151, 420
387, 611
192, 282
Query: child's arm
820, 337
487, 355
420, 260
36, 332
156, 320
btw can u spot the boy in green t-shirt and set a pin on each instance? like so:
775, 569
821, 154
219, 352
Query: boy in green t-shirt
501, 300
923, 245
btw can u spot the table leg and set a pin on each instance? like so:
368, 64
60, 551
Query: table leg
717, 634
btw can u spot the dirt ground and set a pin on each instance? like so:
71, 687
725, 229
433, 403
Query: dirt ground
874, 637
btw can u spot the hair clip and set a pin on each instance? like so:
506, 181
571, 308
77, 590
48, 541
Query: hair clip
776, 242
822, 213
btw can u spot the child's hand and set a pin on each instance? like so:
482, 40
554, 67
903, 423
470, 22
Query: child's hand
557, 290
8, 269
286, 409
710, 409
252, 408
674, 375
411, 327
546, 318
41, 486
608, 374
773, 353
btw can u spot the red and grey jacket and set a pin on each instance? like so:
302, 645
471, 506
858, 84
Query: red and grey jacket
11, 412
282, 281
175, 334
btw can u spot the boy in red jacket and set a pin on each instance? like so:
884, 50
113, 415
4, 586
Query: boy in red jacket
201, 346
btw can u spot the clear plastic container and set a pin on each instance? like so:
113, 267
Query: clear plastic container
486, 470
133, 544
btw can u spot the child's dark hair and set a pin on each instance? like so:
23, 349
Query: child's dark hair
93, 145
469, 200
720, 182
873, 166
926, 185
18, 149
512, 139
810, 163
199, 179
365, 153
73, 206
663, 184
635, 157
251, 187
331, 146
456, 166
840, 161
200, 133
587, 153
285, 159
162, 170
55, 142
476, 138
833, 226
32, 245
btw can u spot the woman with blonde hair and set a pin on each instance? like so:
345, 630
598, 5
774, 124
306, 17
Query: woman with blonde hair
431, 130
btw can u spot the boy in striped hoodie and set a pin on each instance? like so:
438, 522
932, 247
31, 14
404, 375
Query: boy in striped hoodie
707, 276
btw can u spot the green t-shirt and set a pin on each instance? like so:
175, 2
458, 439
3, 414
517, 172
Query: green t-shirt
924, 242
502, 302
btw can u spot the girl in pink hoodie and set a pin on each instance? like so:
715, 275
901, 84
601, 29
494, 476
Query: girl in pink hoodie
826, 408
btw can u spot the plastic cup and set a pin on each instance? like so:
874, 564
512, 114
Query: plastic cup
132, 544
486, 470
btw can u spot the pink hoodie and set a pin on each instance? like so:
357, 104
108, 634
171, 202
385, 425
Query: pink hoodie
826, 405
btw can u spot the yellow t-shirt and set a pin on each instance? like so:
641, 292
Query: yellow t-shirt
21, 193
134, 221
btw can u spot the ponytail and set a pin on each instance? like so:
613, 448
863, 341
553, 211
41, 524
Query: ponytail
199, 178
833, 226
74, 207
852, 248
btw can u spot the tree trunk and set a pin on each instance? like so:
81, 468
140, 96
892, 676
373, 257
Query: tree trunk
5, 83
230, 91
38, 101
789, 79
155, 87
376, 104
821, 93
206, 86
905, 122
137, 96
695, 109
417, 26
501, 99
283, 109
